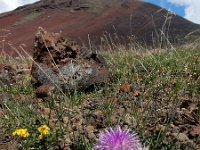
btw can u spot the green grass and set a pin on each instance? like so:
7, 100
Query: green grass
30, 17
164, 79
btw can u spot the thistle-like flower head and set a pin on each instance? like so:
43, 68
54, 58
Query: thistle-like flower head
118, 140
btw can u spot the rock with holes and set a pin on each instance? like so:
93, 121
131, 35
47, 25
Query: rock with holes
65, 64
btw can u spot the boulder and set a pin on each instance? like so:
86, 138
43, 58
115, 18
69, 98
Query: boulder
65, 64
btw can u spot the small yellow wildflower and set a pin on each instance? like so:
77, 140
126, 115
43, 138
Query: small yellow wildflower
44, 130
22, 133
40, 136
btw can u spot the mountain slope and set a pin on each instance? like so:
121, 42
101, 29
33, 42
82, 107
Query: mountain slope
96, 20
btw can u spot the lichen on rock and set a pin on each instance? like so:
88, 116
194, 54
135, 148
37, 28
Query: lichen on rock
65, 64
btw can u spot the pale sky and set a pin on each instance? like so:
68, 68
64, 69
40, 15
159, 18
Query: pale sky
189, 9
8, 5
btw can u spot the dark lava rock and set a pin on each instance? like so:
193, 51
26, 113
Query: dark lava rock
65, 64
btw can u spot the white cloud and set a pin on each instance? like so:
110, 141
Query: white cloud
192, 9
8, 5
181, 2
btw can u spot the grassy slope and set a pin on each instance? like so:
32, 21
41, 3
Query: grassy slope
161, 80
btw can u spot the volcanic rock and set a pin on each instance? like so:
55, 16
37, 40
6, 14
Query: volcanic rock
11, 74
44, 91
66, 65
106, 23
7, 75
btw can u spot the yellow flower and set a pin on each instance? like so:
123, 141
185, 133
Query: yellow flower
40, 136
44, 130
22, 133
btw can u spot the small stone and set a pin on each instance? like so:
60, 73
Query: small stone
160, 127
65, 120
79, 127
114, 119
125, 87
78, 119
44, 91
45, 111
90, 129
98, 113
182, 137
67, 139
130, 120
91, 136
136, 93
90, 132
195, 131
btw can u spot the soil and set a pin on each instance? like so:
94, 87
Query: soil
103, 24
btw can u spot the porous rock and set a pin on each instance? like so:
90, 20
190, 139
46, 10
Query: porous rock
65, 64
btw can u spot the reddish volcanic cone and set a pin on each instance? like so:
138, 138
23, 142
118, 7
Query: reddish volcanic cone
99, 21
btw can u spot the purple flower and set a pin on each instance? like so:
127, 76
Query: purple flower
118, 140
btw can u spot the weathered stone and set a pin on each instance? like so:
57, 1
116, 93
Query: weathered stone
44, 91
195, 131
181, 137
65, 120
7, 74
14, 74
125, 87
65, 64
130, 120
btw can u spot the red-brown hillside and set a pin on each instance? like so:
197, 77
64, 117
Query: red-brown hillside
97, 18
